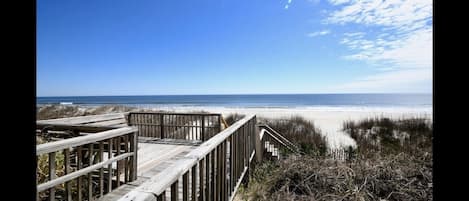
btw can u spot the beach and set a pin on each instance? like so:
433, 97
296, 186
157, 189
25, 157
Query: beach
328, 119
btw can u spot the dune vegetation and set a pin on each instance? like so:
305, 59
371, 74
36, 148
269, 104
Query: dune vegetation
393, 161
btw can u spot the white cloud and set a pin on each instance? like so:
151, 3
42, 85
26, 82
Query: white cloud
338, 2
402, 47
392, 81
319, 33
288, 4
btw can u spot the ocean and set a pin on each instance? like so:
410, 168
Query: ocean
250, 101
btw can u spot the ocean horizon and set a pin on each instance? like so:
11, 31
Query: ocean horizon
249, 100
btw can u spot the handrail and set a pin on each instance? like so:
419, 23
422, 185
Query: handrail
279, 135
84, 119
264, 131
73, 175
280, 138
187, 126
81, 140
238, 138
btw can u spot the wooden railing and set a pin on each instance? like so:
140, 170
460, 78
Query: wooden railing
188, 126
90, 166
275, 143
212, 171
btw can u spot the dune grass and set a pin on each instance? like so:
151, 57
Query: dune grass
394, 162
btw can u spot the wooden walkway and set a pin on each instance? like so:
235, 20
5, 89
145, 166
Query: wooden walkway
152, 159
153, 156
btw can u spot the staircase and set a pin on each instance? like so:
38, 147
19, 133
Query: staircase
275, 145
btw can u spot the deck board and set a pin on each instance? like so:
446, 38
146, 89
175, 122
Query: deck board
152, 158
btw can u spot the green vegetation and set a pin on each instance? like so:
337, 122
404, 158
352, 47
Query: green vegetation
301, 132
393, 161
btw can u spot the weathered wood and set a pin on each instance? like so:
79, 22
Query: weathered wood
185, 186
80, 179
77, 141
79, 173
162, 196
90, 179
203, 128
118, 175
174, 191
52, 175
108, 122
68, 184
109, 167
84, 119
68, 127
162, 126
126, 161
212, 153
101, 170
194, 184
134, 160
201, 180
207, 177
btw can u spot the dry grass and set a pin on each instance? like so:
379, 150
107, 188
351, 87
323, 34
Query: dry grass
234, 117
301, 132
385, 169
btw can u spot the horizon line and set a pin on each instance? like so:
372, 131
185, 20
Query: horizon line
421, 93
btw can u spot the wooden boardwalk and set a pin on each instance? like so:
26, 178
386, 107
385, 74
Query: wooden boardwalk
152, 159
152, 156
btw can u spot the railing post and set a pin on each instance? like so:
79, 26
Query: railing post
258, 141
134, 149
203, 129
162, 126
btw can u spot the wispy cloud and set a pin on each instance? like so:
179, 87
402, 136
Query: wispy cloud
319, 33
338, 2
403, 44
288, 4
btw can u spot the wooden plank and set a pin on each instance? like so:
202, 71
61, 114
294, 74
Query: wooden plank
126, 161
134, 161
201, 180
90, 178
185, 186
162, 196
101, 170
210, 144
67, 127
77, 141
108, 122
80, 179
84, 119
194, 183
79, 173
68, 184
162, 126
118, 175
52, 175
174, 191
212, 175
109, 167
178, 113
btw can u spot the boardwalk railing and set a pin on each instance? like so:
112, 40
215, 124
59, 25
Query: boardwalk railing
270, 136
90, 166
212, 171
188, 126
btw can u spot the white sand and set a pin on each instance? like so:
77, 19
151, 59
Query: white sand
328, 119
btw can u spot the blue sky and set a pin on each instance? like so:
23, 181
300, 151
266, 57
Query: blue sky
148, 47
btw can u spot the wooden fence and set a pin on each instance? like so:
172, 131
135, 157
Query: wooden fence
92, 165
188, 126
213, 171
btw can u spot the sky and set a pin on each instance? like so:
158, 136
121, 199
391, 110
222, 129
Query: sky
169, 47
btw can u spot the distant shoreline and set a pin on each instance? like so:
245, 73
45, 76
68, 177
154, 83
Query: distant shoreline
328, 119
